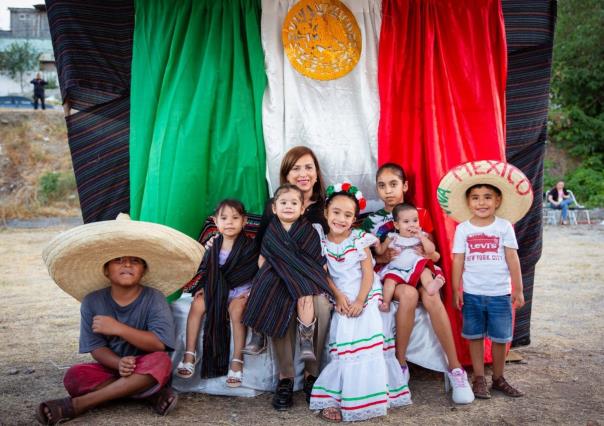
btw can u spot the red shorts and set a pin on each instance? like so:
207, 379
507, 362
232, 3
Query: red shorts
84, 378
415, 276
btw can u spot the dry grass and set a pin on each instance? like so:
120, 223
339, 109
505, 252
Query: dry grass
34, 144
561, 375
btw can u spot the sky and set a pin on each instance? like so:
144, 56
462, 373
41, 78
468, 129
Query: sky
5, 14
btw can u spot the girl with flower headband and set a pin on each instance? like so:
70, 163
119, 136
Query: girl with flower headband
360, 382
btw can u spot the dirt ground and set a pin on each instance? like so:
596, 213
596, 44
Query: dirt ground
561, 372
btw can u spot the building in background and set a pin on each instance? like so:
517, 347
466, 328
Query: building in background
30, 25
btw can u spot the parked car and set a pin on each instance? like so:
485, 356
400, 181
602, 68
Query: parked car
18, 102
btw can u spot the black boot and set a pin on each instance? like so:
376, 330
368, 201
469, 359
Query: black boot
309, 382
284, 395
257, 344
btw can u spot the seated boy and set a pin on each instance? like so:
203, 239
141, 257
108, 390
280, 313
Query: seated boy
127, 327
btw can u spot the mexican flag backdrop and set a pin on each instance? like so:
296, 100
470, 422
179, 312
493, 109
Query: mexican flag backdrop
176, 105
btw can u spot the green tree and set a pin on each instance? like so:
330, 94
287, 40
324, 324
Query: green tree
18, 59
576, 121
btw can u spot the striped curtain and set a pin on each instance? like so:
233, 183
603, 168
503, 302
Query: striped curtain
530, 36
93, 49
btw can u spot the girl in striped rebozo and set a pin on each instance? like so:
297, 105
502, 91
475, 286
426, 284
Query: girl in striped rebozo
359, 382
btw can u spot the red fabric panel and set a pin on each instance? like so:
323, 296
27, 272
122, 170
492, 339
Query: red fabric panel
442, 74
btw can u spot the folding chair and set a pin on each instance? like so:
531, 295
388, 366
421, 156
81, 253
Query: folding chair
576, 207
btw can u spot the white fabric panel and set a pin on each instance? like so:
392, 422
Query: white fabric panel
337, 119
259, 372
424, 348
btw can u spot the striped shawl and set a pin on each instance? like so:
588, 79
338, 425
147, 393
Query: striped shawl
239, 268
293, 268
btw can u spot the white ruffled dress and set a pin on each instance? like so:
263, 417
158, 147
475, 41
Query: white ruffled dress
405, 264
363, 377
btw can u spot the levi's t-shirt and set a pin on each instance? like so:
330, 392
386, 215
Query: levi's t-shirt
485, 270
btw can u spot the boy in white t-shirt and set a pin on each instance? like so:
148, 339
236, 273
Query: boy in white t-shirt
485, 259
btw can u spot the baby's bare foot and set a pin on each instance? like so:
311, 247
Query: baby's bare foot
384, 306
433, 286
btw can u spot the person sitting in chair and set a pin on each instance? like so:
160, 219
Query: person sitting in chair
559, 198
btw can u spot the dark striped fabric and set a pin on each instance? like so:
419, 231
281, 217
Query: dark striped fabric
529, 33
208, 230
293, 268
239, 268
92, 43
98, 140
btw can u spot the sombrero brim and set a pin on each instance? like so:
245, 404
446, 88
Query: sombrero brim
75, 258
516, 190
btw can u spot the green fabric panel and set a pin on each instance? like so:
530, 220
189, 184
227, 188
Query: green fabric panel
196, 110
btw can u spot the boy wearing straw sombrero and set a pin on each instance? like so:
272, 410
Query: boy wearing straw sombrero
486, 197
121, 271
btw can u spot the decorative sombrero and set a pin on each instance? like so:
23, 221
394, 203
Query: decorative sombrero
321, 39
75, 258
516, 190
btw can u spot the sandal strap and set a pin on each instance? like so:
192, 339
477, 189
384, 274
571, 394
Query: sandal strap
232, 374
60, 410
502, 385
192, 353
237, 360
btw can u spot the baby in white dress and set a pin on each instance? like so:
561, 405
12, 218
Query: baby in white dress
414, 263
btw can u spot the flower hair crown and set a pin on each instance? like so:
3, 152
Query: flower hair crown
347, 187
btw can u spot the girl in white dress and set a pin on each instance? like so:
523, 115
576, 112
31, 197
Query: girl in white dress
363, 378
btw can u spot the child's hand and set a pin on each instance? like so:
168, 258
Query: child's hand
457, 299
126, 366
208, 245
416, 232
342, 303
387, 256
517, 298
108, 326
355, 308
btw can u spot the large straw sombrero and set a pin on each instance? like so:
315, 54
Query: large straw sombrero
75, 258
516, 190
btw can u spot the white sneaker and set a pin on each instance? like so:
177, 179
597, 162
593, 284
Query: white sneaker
462, 392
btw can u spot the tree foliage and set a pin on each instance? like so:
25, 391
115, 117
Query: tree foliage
18, 59
576, 121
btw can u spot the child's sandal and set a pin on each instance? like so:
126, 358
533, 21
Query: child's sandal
234, 378
185, 370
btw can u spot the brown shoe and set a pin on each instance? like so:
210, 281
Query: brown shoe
503, 386
479, 387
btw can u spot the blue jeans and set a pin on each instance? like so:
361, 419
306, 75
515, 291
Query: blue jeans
487, 316
564, 206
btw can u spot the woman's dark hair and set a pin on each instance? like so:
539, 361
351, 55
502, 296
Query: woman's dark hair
394, 168
232, 203
346, 194
287, 187
288, 163
483, 185
401, 208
